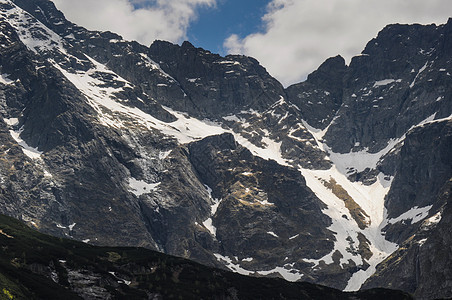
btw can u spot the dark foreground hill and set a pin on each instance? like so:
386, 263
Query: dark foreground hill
38, 266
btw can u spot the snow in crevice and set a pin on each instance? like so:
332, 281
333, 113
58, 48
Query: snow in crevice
228, 62
208, 223
431, 120
418, 73
152, 65
271, 151
71, 227
318, 134
31, 152
422, 242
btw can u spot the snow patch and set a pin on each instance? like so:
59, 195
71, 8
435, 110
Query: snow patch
121, 280
422, 242
208, 225
232, 266
5, 80
164, 154
415, 214
228, 62
273, 234
385, 82
433, 220
294, 237
264, 203
233, 118
140, 187
11, 122
360, 160
289, 274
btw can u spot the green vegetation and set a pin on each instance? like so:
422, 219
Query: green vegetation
357, 213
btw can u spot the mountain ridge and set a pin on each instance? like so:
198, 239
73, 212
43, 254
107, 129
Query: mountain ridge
114, 142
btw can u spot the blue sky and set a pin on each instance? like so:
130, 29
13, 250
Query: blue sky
290, 38
215, 25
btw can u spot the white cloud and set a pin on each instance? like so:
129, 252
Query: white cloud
164, 19
300, 34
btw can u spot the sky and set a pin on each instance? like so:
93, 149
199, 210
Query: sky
290, 38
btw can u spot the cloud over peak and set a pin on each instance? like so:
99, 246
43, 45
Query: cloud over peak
139, 20
299, 35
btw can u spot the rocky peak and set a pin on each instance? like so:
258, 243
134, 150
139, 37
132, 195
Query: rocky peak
399, 72
46, 12
329, 73
216, 86
320, 96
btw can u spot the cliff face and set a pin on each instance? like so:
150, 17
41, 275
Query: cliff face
205, 157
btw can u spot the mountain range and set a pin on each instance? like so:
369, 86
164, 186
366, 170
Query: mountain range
342, 180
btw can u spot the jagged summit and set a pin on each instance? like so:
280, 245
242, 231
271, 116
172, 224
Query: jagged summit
206, 157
